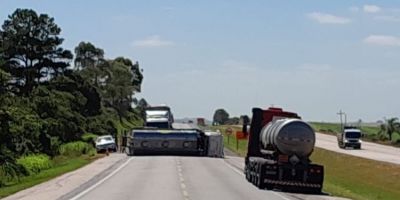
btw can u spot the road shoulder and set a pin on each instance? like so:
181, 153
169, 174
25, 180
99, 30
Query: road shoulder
72, 183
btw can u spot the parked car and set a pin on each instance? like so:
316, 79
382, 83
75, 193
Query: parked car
105, 142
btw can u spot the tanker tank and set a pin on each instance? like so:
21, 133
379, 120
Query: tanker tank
288, 136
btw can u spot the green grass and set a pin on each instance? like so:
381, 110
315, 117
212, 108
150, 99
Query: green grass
61, 165
358, 178
230, 141
345, 175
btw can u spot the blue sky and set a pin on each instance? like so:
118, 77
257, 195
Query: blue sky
311, 57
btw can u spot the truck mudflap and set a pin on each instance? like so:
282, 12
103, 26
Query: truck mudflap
150, 142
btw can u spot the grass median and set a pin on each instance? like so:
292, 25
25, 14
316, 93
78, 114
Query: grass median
61, 165
345, 175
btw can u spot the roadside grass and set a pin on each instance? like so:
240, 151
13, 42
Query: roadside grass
358, 178
345, 175
61, 165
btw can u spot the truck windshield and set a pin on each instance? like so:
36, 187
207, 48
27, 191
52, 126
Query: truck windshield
353, 134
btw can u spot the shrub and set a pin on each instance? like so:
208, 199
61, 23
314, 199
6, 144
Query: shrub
89, 138
34, 163
75, 148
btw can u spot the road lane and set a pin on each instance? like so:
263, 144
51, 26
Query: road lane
209, 178
368, 150
146, 178
177, 178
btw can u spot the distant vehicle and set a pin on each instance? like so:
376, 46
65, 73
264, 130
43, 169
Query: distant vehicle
105, 142
159, 137
279, 148
201, 122
159, 117
349, 137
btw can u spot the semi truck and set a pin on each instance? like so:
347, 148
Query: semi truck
159, 137
349, 137
278, 154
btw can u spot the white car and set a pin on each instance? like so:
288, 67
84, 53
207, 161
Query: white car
105, 142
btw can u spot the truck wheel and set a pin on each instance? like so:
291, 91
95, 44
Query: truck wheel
269, 186
131, 152
260, 183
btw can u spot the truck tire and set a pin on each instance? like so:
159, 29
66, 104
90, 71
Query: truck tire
260, 178
130, 152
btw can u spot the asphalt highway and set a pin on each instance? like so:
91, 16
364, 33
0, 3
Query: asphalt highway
174, 177
368, 150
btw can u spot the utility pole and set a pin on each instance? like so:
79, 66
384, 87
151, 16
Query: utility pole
341, 113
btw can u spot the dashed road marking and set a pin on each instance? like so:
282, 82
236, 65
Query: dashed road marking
182, 180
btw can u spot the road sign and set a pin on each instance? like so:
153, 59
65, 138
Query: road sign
229, 131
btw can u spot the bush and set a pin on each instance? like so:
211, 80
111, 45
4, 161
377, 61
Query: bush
89, 138
75, 148
35, 163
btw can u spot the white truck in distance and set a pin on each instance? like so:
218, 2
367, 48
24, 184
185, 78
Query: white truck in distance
349, 137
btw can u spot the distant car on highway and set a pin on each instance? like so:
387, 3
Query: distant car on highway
105, 142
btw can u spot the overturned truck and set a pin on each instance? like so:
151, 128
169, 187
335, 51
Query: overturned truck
158, 137
279, 149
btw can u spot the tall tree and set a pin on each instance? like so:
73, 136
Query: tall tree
390, 126
137, 76
31, 49
141, 106
90, 59
220, 116
118, 88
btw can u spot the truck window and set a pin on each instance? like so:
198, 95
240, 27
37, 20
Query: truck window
353, 134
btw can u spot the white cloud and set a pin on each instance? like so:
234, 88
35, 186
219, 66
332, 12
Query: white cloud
315, 67
354, 9
325, 18
387, 18
371, 8
383, 40
152, 41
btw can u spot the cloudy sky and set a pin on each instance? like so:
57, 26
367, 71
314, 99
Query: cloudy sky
311, 57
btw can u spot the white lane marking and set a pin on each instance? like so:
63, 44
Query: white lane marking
101, 181
242, 174
182, 180
183, 186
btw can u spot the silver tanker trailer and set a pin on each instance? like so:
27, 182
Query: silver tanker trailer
279, 147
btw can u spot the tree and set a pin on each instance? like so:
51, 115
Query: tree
220, 116
141, 107
118, 88
232, 121
90, 61
137, 76
390, 126
31, 49
87, 55
244, 119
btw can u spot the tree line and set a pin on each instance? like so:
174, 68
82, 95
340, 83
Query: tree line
221, 117
45, 101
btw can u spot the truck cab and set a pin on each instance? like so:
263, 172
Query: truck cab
159, 117
350, 137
